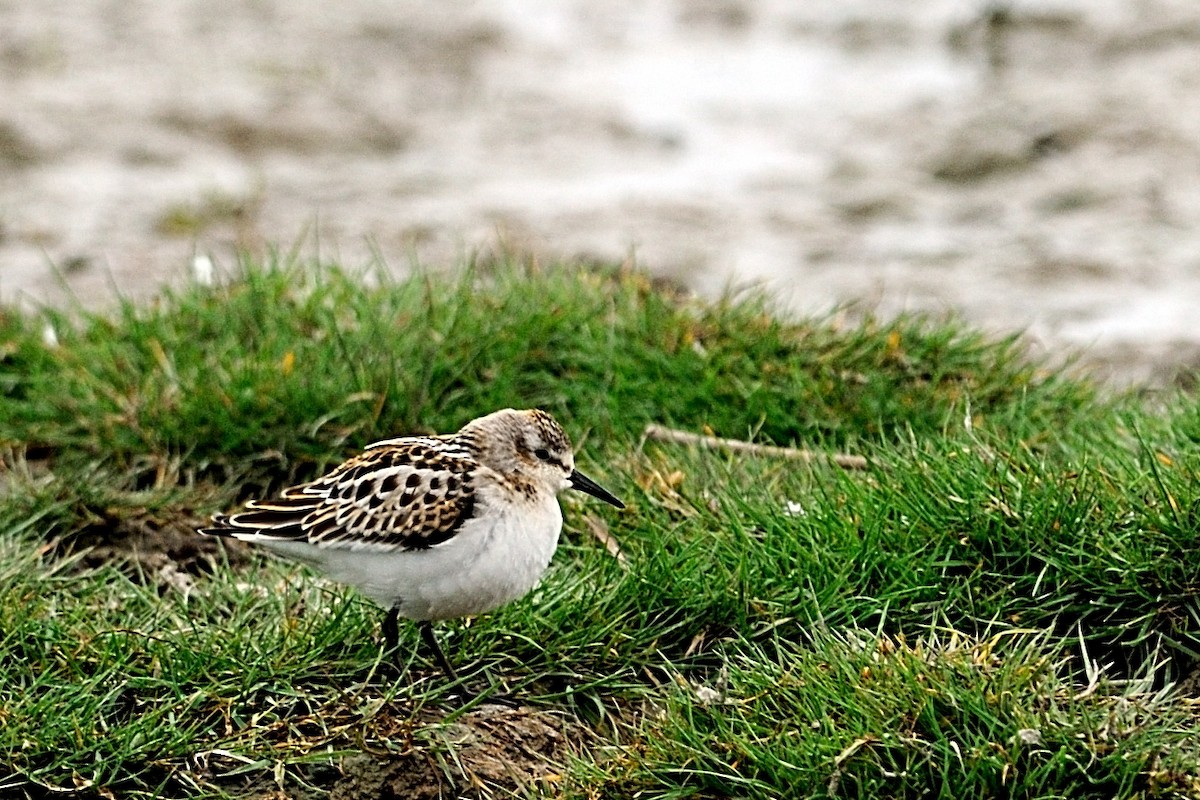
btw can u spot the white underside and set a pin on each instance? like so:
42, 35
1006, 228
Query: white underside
492, 560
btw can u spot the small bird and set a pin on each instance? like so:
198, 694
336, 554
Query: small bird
430, 527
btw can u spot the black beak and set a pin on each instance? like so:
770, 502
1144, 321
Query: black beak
588, 486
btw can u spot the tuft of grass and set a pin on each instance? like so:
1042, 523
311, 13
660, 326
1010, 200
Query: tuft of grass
294, 365
860, 715
1006, 602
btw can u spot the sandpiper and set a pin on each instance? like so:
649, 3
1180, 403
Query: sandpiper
430, 527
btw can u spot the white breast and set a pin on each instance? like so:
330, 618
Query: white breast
493, 559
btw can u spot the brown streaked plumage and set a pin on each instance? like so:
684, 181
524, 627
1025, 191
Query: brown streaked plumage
401, 494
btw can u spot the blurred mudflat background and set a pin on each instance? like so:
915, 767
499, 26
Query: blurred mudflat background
1029, 165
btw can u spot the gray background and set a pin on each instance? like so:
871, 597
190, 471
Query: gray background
1030, 165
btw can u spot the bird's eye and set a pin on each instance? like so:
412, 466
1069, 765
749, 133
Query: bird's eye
542, 453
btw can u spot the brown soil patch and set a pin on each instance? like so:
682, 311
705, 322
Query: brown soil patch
490, 750
165, 551
1189, 686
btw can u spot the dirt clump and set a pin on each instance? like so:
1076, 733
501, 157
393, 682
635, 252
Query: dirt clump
492, 749
168, 552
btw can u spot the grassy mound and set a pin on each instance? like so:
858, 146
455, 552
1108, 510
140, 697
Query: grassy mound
1005, 601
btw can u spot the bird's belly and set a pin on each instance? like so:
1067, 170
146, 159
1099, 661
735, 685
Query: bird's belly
480, 569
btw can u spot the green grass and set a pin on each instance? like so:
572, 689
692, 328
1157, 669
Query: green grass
1001, 604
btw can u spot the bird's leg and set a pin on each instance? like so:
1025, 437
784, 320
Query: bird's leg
469, 694
391, 630
432, 643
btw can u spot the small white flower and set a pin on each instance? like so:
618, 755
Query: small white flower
793, 509
202, 269
49, 335
1030, 736
708, 695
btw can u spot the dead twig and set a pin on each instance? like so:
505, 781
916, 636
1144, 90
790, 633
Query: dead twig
660, 433
600, 530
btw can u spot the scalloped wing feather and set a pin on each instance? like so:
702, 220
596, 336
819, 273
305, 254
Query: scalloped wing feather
397, 495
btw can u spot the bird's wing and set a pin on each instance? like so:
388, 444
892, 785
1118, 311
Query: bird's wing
398, 495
